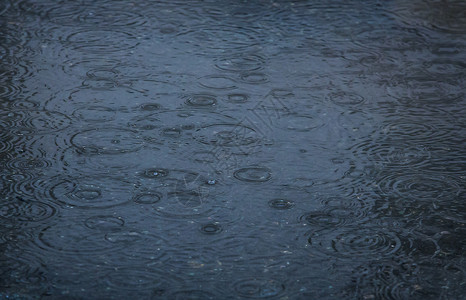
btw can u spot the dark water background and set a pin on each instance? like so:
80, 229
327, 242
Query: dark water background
232, 149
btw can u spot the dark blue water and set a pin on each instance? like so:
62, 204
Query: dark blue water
232, 149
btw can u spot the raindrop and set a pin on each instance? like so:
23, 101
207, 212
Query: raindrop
155, 173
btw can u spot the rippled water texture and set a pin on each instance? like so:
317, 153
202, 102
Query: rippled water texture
266, 149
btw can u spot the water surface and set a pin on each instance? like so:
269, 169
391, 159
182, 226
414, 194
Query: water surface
233, 150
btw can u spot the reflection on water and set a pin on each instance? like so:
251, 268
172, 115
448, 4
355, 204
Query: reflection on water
205, 150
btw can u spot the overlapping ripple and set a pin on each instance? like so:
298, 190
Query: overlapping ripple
347, 244
37, 121
88, 192
107, 141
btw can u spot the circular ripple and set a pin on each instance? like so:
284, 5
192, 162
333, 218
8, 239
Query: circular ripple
103, 73
220, 38
172, 132
447, 160
228, 135
384, 281
358, 57
417, 131
425, 187
79, 66
254, 78
151, 122
218, 82
238, 98
26, 210
280, 93
24, 183
443, 68
204, 157
169, 29
447, 18
95, 114
20, 182
9, 143
21, 267
186, 198
281, 204
394, 38
124, 237
337, 211
24, 163
201, 100
110, 17
59, 14
211, 228
147, 197
25, 104
89, 192
107, 141
243, 63
102, 84
360, 242
155, 173
183, 120
344, 98
40, 121
300, 123
328, 218
253, 174
9, 91
407, 156
392, 155
173, 176
137, 247
73, 239
104, 223
185, 204
234, 14
138, 280
150, 107
426, 91
101, 41
191, 295
259, 288
90, 161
